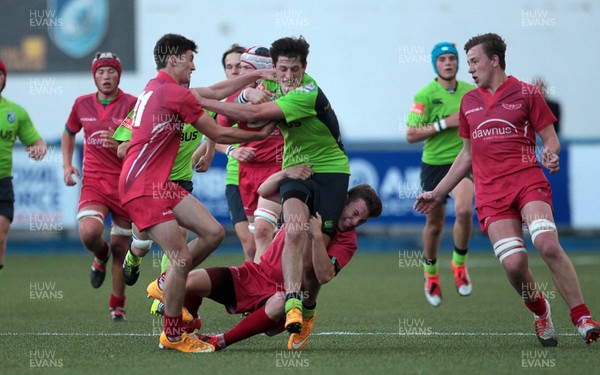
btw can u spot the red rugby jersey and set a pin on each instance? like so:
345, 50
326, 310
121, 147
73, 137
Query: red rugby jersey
91, 116
160, 113
502, 130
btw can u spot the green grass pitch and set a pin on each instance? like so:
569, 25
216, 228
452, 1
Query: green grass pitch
372, 319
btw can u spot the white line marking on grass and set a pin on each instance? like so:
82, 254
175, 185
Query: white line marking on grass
581, 260
118, 334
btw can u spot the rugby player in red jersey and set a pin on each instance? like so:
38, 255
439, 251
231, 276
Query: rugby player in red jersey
158, 206
498, 122
99, 114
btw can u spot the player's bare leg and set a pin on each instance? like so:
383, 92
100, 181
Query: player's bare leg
246, 238
538, 216
118, 245
4, 228
463, 203
265, 225
192, 215
91, 227
296, 217
506, 235
432, 234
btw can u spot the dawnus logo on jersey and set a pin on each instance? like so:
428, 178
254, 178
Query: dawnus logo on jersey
494, 129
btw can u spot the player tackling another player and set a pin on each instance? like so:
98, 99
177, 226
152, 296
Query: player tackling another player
498, 122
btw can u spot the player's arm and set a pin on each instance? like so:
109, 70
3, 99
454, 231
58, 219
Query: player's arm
269, 189
122, 149
225, 88
250, 113
210, 129
550, 158
419, 133
323, 268
67, 144
204, 155
459, 169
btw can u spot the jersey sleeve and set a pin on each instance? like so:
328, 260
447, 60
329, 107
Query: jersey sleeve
123, 132
26, 132
73, 124
299, 103
186, 105
418, 111
341, 249
540, 115
463, 125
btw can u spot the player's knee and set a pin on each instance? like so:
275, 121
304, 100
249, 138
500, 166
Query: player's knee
275, 306
263, 231
216, 234
434, 228
543, 233
296, 233
180, 261
510, 251
464, 214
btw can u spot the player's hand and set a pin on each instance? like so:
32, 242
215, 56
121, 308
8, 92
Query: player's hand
315, 223
268, 74
299, 172
427, 201
106, 136
267, 129
550, 160
244, 154
68, 172
204, 163
256, 96
452, 121
37, 151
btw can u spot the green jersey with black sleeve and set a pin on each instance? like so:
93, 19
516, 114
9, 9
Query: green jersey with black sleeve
311, 130
431, 104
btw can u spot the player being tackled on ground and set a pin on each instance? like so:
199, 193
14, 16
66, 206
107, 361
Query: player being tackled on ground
433, 119
498, 122
257, 288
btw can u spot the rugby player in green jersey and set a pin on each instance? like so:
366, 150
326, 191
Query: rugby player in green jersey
311, 136
14, 123
433, 118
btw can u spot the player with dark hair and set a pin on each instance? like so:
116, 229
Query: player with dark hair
156, 205
433, 119
257, 288
96, 114
14, 123
498, 122
311, 136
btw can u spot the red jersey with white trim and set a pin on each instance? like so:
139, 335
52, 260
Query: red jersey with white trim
160, 113
269, 151
91, 116
502, 131
341, 247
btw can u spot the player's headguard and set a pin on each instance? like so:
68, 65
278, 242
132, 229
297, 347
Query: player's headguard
440, 49
258, 57
106, 59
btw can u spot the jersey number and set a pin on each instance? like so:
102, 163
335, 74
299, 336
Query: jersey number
140, 105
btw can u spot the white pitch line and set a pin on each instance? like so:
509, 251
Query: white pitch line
314, 334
